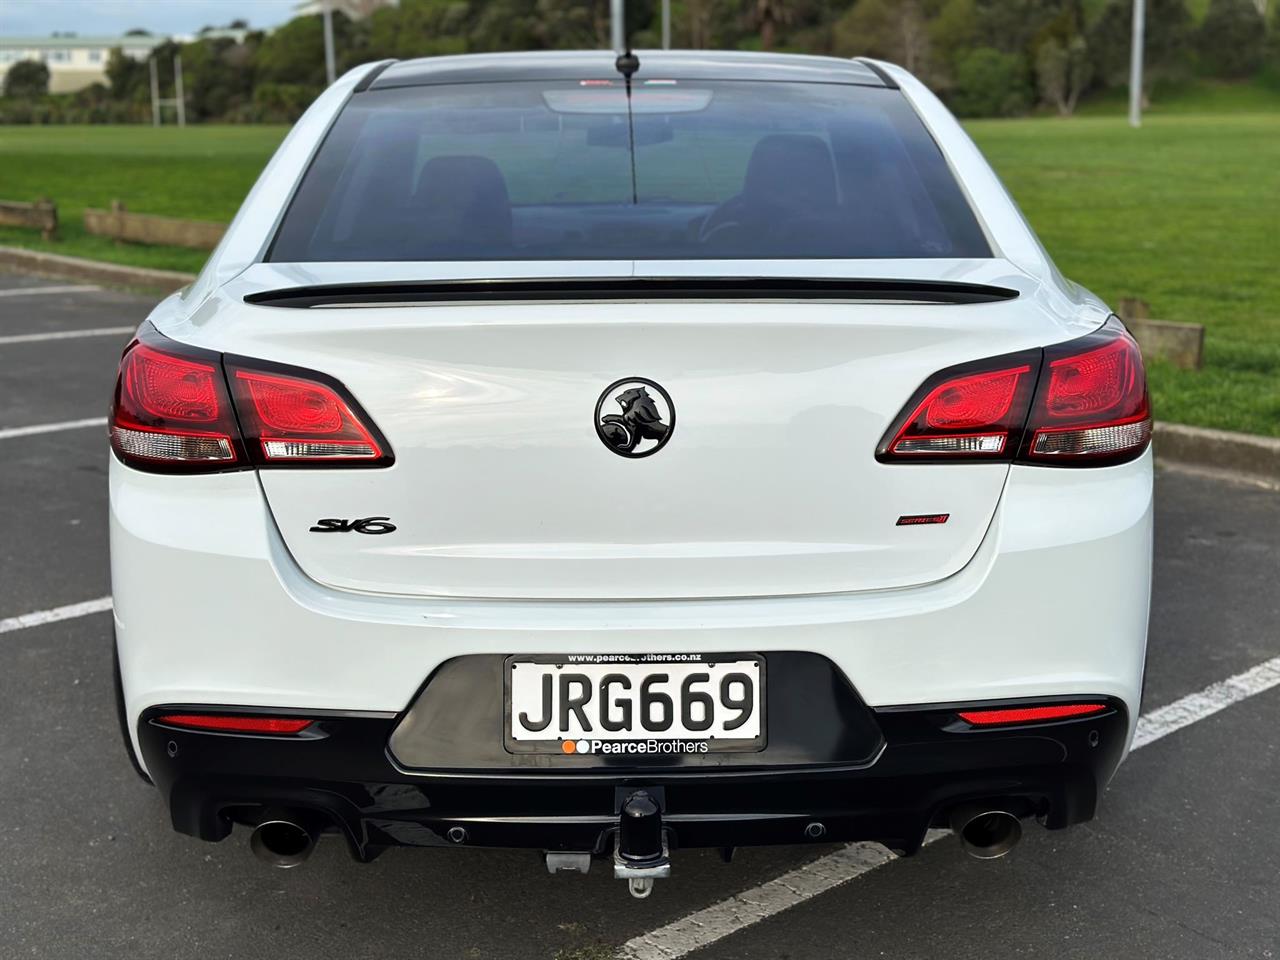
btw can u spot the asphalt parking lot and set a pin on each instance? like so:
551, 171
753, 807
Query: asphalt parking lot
1183, 861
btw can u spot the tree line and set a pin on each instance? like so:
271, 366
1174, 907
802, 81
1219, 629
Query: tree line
984, 57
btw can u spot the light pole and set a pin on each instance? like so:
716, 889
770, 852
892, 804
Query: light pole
155, 94
1135, 64
328, 42
179, 96
666, 24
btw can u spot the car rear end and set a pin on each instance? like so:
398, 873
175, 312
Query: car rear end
606, 465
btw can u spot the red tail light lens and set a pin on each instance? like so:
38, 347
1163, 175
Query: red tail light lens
1092, 405
225, 724
288, 418
1081, 403
974, 411
1061, 711
171, 411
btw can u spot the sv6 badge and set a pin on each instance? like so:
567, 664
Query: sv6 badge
370, 525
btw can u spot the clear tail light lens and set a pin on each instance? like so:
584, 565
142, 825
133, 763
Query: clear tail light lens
172, 412
1080, 403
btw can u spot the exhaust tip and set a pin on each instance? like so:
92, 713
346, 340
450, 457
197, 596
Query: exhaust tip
282, 842
986, 832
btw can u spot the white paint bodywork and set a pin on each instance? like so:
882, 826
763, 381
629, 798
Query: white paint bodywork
765, 523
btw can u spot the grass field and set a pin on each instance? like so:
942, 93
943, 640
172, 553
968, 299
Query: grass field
201, 173
1184, 213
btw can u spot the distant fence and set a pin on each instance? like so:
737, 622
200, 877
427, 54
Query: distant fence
41, 215
119, 224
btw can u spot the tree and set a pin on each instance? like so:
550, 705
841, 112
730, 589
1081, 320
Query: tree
712, 23
1015, 26
27, 80
417, 28
294, 53
952, 33
1231, 41
125, 75
1063, 72
767, 16
569, 24
1167, 46
219, 77
894, 30
991, 84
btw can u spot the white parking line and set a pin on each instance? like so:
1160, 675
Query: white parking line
69, 612
1196, 706
42, 291
704, 927
7, 433
66, 335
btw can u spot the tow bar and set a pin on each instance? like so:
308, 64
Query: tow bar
640, 853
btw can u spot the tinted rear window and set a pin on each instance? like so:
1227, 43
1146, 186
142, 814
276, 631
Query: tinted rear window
574, 171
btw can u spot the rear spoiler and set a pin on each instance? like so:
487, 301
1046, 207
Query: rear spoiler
561, 289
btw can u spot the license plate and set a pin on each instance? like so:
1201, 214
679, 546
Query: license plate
619, 704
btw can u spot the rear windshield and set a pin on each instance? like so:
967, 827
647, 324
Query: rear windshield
579, 170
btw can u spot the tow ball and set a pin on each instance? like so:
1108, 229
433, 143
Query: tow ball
640, 853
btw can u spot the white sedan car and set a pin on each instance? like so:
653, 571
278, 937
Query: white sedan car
606, 457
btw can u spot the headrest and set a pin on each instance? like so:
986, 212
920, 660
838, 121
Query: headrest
791, 170
463, 200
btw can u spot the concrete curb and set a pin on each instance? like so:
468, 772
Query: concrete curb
1256, 458
94, 271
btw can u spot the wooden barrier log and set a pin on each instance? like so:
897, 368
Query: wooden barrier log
119, 224
41, 215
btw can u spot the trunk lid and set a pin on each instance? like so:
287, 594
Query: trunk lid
503, 487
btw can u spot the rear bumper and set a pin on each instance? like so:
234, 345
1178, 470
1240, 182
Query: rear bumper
211, 609
346, 778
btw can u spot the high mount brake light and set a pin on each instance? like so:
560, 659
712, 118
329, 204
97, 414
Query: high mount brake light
1080, 403
226, 724
1008, 715
172, 412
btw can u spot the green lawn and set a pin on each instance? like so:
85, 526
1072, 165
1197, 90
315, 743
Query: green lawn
1184, 213
200, 172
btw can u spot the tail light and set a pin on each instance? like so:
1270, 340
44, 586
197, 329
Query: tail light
173, 412
293, 419
971, 412
1081, 403
1092, 401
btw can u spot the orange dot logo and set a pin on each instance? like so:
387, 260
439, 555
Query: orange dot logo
568, 746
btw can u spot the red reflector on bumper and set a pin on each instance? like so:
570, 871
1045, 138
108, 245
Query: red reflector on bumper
984, 718
235, 724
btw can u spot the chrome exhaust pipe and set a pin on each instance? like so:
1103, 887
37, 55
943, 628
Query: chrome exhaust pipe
986, 832
283, 839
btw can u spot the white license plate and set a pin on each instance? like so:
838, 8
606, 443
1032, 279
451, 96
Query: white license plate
600, 703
